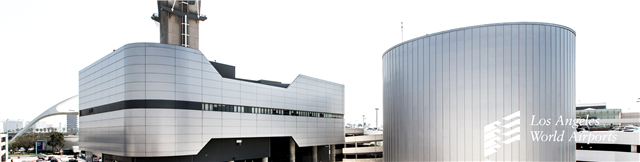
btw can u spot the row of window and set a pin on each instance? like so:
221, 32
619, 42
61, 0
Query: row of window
261, 110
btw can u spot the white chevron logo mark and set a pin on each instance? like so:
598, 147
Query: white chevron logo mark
492, 138
515, 123
493, 133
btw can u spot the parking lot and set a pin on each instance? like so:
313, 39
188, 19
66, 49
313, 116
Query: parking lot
34, 158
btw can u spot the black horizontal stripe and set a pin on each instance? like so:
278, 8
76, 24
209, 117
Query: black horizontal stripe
141, 104
190, 105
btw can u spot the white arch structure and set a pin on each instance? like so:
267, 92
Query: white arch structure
53, 110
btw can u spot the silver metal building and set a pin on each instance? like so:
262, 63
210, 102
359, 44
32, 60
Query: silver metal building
147, 100
471, 94
167, 102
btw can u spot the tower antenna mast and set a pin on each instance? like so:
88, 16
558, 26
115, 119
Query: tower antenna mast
401, 32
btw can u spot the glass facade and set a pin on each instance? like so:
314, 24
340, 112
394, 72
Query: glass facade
262, 110
598, 114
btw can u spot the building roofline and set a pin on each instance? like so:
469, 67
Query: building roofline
591, 104
479, 26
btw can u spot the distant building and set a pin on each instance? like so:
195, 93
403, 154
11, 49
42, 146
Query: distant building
39, 125
607, 118
72, 124
12, 125
601, 115
631, 115
600, 105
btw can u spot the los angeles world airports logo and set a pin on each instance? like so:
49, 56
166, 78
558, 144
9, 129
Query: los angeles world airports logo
493, 136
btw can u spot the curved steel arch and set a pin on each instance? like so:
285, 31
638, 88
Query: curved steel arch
53, 110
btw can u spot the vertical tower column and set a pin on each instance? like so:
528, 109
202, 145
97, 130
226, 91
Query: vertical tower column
332, 155
292, 150
179, 22
314, 153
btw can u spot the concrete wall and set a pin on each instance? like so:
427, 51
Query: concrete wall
442, 89
364, 138
589, 155
174, 33
151, 71
362, 150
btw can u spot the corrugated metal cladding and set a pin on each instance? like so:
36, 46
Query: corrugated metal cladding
440, 90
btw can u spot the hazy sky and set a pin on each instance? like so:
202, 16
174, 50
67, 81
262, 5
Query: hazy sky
43, 44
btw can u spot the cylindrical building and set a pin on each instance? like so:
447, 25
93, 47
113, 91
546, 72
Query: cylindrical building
479, 93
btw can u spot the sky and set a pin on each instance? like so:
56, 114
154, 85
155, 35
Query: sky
43, 44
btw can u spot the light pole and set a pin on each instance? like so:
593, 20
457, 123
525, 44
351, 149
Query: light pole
377, 127
363, 123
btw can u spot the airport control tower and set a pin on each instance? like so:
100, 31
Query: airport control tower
179, 22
